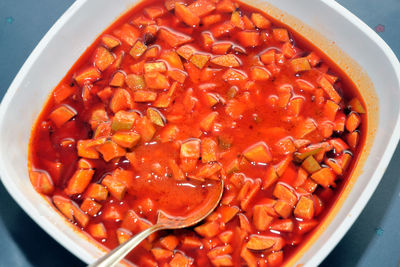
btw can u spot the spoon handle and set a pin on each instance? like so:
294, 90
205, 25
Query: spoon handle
118, 253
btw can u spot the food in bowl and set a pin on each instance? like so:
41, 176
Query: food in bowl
175, 95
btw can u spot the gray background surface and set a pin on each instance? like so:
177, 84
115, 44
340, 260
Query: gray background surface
374, 239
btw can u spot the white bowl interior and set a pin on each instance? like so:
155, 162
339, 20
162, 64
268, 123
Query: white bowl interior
78, 28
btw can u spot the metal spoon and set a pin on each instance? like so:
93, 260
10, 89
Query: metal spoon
164, 222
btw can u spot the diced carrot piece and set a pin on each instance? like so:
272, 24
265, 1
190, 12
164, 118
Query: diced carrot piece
329, 90
185, 14
280, 35
127, 33
284, 225
340, 122
103, 58
330, 109
169, 242
80, 216
234, 76
137, 68
222, 260
211, 19
207, 122
97, 230
218, 251
105, 94
334, 165
304, 128
261, 219
248, 257
304, 208
116, 188
236, 20
202, 7
200, 60
301, 177
90, 74
356, 105
97, 192
268, 57
249, 38
161, 254
300, 64
110, 150
177, 75
227, 213
185, 51
155, 116
255, 188
222, 29
62, 92
283, 208
118, 79
176, 171
208, 150
309, 185
284, 193
225, 6
145, 128
208, 229
112, 213
174, 39
313, 58
207, 40
208, 171
90, 206
352, 139
324, 177
110, 41
352, 122
131, 221
228, 60
221, 48
226, 237
180, 260
121, 100
259, 242
79, 181
62, 114
118, 60
305, 85
258, 152
156, 80
338, 144
289, 51
123, 120
152, 52
270, 177
64, 205
275, 259
306, 226
259, 73
144, 96
154, 11
41, 181
126, 140
260, 21
172, 58
191, 242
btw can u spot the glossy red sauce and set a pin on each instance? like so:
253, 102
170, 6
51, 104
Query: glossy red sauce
260, 111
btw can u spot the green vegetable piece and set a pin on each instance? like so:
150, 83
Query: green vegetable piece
299, 157
156, 117
123, 120
135, 82
137, 49
225, 142
310, 165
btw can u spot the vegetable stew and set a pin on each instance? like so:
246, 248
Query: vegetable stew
178, 94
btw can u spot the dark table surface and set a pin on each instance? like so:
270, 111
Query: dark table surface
373, 240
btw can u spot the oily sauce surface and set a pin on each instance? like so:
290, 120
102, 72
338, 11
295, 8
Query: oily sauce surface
176, 95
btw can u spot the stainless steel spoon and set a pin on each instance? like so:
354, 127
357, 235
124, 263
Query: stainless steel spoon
164, 222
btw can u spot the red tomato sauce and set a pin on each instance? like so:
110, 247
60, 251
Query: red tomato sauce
176, 95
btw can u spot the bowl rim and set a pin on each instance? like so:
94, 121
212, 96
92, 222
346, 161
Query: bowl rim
339, 231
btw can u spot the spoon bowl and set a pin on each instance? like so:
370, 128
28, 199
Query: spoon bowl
164, 222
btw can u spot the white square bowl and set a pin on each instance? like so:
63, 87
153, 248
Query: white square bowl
371, 64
